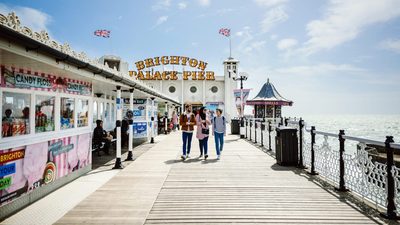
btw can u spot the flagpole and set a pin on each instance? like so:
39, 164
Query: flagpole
230, 47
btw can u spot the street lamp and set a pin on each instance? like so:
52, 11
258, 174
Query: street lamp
242, 77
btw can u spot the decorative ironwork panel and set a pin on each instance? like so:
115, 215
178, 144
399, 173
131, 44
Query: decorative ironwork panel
366, 177
327, 161
396, 175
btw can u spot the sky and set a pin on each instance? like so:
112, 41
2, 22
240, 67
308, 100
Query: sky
329, 57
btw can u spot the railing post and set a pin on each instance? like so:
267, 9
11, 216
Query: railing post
251, 124
269, 136
262, 133
391, 207
342, 186
247, 124
312, 172
301, 126
255, 131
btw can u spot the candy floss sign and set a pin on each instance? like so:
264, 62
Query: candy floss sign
29, 167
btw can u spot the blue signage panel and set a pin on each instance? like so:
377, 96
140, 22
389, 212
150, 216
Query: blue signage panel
7, 169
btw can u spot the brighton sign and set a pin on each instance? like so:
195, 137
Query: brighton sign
197, 73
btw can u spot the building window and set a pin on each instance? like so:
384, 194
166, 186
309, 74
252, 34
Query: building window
172, 89
44, 113
214, 89
193, 89
67, 113
83, 110
15, 114
94, 111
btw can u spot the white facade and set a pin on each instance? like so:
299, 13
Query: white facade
218, 92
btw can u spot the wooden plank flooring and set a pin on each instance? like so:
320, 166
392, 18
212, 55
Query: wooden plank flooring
244, 187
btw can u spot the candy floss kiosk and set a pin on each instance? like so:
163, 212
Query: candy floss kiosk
45, 133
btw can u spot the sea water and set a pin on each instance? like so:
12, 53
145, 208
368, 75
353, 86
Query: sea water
373, 127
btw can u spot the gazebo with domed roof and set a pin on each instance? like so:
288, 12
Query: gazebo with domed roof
268, 102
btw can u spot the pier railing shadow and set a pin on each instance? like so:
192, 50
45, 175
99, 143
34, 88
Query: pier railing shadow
327, 159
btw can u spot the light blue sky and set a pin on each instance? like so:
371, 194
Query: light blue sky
329, 57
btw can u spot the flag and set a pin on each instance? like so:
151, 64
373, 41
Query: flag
225, 31
102, 33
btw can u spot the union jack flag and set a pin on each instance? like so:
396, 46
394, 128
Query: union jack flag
102, 33
225, 31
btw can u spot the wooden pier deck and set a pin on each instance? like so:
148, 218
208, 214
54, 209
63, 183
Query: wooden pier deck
244, 187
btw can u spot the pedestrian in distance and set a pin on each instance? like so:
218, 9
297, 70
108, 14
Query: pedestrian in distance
203, 122
187, 122
219, 130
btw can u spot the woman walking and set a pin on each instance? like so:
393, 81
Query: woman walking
203, 131
219, 128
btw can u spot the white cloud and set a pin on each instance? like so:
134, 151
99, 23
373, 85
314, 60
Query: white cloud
286, 44
254, 46
344, 20
239, 33
272, 17
29, 17
204, 2
270, 3
391, 45
320, 69
161, 20
273, 37
182, 5
161, 4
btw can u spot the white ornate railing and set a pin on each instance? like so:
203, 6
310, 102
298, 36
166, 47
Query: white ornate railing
337, 161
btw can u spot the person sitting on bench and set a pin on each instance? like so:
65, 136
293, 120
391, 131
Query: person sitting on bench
101, 136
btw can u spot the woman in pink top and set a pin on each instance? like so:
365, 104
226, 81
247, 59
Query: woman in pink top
203, 122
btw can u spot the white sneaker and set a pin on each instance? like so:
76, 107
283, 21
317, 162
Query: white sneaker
183, 157
188, 156
218, 157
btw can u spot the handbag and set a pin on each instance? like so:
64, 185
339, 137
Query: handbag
205, 131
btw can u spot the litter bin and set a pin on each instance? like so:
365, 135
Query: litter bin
235, 128
286, 144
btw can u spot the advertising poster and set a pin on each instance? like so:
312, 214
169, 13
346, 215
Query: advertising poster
139, 129
29, 167
241, 93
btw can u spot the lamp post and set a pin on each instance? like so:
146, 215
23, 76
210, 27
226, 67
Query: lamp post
242, 77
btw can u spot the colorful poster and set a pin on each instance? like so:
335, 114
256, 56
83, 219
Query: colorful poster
29, 167
139, 130
240, 94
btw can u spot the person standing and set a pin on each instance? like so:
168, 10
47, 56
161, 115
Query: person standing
187, 122
203, 131
174, 120
219, 128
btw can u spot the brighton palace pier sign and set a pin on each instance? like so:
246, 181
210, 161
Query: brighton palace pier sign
197, 72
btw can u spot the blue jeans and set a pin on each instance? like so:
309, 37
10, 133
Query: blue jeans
187, 141
219, 142
204, 146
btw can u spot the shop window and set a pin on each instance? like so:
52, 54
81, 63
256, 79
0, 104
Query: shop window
67, 113
107, 114
82, 108
101, 111
94, 111
44, 113
214, 89
15, 114
193, 89
113, 119
172, 89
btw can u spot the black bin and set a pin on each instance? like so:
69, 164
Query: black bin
286, 144
235, 128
